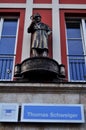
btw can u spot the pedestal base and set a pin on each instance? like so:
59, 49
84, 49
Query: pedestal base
38, 69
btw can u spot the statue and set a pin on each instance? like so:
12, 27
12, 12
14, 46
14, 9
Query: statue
40, 32
39, 67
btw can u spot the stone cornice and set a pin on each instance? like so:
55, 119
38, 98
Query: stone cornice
24, 87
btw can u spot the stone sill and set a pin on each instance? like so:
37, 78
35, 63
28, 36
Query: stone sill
24, 87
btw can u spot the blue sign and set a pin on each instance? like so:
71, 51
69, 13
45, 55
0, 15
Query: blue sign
9, 112
52, 113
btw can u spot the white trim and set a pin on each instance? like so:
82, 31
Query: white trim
1, 26
84, 38
27, 37
72, 6
56, 31
60, 6
48, 6
16, 36
15, 48
12, 5
84, 34
67, 52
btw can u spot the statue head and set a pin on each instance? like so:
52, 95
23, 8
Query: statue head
36, 17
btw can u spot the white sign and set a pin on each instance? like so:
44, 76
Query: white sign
9, 112
62, 113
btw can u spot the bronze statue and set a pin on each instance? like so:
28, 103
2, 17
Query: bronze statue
39, 68
40, 32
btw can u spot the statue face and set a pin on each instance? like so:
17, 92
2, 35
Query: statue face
38, 19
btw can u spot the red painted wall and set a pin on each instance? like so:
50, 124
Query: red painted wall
47, 19
21, 14
72, 1
12, 1
63, 40
63, 14
42, 1
20, 36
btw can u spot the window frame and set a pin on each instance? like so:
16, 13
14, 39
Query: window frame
82, 22
2, 18
63, 14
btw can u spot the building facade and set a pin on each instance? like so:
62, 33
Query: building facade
67, 46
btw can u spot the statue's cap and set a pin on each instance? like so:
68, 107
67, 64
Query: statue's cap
35, 16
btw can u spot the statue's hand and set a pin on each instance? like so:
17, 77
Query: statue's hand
49, 32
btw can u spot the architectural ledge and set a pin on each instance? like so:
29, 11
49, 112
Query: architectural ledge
24, 87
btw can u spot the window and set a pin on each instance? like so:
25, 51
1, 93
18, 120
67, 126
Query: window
76, 48
8, 30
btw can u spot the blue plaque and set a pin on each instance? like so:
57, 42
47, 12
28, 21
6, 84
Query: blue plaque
52, 113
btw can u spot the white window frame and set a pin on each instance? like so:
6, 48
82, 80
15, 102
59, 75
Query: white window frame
83, 37
1, 26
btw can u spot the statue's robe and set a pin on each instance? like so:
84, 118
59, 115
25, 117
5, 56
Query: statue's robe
40, 32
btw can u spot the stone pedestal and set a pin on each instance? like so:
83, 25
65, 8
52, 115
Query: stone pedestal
38, 69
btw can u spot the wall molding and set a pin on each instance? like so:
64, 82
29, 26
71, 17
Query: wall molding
24, 87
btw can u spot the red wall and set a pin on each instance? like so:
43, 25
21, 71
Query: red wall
42, 1
12, 1
72, 1
63, 40
47, 19
20, 36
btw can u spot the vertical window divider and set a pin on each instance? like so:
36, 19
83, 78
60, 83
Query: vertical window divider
67, 51
15, 48
84, 35
1, 26
16, 37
